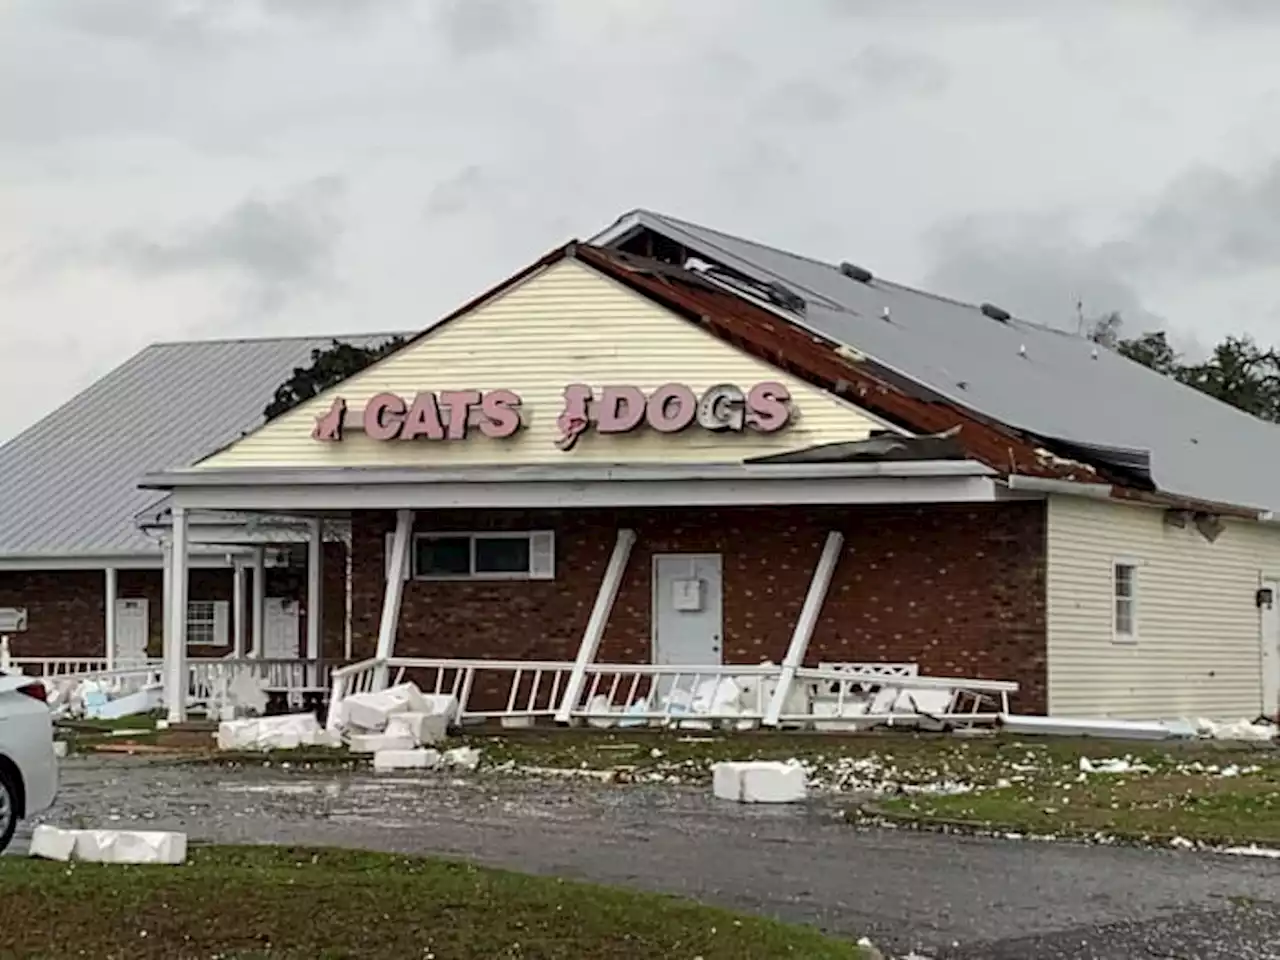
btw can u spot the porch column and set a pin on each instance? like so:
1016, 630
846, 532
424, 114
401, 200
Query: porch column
237, 603
591, 638
109, 612
315, 590
166, 594
800, 637
396, 571
259, 599
176, 656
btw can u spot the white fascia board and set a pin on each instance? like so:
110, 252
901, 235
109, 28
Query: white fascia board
131, 561
566, 494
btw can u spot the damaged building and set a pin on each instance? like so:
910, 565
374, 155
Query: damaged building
671, 448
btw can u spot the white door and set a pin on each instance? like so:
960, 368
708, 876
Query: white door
280, 629
132, 631
687, 623
1271, 649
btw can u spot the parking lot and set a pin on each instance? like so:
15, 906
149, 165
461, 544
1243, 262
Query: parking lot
943, 896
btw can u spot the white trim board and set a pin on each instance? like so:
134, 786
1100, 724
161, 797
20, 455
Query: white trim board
600, 493
108, 561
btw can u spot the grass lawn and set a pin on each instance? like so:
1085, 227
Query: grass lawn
1204, 792
249, 902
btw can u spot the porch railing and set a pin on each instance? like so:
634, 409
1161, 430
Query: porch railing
63, 666
848, 694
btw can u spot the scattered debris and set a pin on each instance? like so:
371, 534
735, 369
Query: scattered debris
425, 728
274, 733
465, 758
1112, 765
380, 742
109, 846
759, 781
370, 712
421, 758
1087, 727
1237, 730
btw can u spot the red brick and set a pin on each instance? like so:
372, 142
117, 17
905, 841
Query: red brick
66, 609
958, 589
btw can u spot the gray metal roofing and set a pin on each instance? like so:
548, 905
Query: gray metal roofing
69, 483
1047, 382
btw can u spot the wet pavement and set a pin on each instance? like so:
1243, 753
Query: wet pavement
946, 897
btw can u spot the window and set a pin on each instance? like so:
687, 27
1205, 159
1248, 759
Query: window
1125, 595
207, 623
482, 556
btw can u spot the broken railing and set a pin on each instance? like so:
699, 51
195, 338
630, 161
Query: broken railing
48, 667
831, 696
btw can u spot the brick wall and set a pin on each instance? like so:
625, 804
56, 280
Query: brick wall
66, 609
957, 588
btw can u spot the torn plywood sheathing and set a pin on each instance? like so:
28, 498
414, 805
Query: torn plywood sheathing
830, 365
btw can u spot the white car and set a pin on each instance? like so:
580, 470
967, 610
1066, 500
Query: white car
28, 766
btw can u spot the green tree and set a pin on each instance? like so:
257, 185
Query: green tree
1238, 371
1241, 373
328, 367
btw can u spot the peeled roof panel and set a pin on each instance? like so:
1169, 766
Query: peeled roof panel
1199, 446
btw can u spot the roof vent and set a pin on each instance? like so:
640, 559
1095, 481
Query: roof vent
995, 313
855, 272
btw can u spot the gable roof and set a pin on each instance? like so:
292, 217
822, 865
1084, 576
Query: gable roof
1038, 380
69, 483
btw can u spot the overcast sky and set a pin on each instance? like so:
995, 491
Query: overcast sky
172, 169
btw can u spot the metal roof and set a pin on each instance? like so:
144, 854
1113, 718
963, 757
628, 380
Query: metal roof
1037, 379
69, 483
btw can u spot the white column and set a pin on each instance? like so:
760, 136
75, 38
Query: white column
800, 637
594, 633
391, 599
315, 588
109, 612
259, 599
238, 612
176, 655
166, 603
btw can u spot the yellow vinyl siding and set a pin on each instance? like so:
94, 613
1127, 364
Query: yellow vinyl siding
1197, 651
565, 325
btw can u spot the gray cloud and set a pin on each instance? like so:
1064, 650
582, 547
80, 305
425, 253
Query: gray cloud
453, 194
160, 23
882, 68
472, 27
278, 246
1209, 220
1207, 224
187, 23
1035, 267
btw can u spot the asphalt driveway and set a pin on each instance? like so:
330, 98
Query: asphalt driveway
942, 896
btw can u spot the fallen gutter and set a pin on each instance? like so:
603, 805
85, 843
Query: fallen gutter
1093, 491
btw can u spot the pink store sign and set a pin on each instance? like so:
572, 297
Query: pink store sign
497, 414
671, 408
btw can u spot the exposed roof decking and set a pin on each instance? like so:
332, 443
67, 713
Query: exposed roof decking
1062, 386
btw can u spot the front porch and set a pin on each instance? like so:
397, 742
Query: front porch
645, 591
